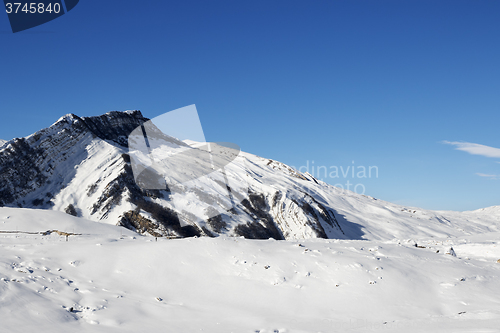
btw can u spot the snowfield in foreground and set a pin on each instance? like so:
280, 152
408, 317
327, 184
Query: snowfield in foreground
109, 279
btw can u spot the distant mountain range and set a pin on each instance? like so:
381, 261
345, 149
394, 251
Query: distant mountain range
81, 165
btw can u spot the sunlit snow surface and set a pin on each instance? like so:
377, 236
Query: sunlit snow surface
117, 281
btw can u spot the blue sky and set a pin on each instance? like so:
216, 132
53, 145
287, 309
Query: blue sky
407, 86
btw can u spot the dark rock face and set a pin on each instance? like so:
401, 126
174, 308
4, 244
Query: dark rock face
114, 126
263, 227
320, 212
19, 171
71, 210
217, 224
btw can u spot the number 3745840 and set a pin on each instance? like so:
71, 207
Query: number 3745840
32, 8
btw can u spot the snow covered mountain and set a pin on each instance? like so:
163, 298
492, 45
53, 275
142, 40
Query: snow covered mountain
386, 267
82, 166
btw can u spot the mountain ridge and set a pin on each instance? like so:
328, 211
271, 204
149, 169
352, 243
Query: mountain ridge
81, 165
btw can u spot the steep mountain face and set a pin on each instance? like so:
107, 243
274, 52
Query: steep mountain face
82, 166
44, 158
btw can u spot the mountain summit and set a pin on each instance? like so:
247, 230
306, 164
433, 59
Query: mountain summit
81, 165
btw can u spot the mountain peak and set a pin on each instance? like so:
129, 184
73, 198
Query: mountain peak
27, 164
112, 126
128, 114
67, 118
115, 125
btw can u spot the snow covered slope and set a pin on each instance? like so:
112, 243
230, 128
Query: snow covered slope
105, 279
82, 166
385, 267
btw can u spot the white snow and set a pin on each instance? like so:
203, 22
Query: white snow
115, 280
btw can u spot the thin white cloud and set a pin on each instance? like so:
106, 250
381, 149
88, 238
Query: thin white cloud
475, 148
494, 177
